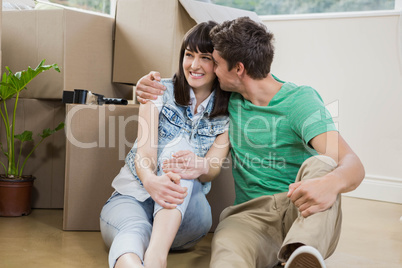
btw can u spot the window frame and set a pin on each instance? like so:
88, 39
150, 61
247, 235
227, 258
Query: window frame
332, 15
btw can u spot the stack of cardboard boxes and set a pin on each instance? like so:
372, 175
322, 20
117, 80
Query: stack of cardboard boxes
105, 55
81, 44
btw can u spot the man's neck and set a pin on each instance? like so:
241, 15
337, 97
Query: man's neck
261, 92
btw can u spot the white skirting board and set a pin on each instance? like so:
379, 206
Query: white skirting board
379, 188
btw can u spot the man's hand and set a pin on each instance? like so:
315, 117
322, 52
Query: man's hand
186, 164
312, 196
319, 194
148, 88
166, 190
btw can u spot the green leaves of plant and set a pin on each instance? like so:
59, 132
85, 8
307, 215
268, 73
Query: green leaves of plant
13, 83
10, 86
6, 90
47, 132
24, 136
27, 135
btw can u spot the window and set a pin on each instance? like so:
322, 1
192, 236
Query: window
261, 7
277, 7
102, 6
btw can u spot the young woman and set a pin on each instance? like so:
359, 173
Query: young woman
159, 201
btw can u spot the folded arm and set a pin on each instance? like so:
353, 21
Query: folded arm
190, 166
319, 194
165, 189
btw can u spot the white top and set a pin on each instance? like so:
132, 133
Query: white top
193, 102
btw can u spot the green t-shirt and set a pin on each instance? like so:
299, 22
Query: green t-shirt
269, 143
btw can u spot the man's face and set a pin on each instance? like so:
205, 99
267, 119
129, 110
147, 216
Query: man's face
227, 79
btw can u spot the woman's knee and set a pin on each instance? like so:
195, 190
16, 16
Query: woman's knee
124, 214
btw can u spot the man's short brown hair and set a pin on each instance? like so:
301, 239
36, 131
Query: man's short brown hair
246, 41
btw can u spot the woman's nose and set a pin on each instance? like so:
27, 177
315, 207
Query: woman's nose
195, 64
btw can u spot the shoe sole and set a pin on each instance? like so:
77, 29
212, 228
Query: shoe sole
305, 260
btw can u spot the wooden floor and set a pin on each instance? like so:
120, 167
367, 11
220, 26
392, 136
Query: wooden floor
371, 238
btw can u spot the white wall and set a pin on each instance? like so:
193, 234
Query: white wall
355, 64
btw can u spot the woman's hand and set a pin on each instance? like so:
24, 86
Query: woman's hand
166, 190
186, 164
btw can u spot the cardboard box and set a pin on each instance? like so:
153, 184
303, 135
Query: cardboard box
149, 34
81, 43
98, 140
48, 161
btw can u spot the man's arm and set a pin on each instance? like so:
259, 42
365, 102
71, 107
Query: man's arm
319, 194
148, 88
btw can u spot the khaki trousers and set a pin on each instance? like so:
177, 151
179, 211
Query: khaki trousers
257, 233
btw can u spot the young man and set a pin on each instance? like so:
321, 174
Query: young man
290, 164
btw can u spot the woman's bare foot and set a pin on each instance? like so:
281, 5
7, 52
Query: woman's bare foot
129, 260
154, 261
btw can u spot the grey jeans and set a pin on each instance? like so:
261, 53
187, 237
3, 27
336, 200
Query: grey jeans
126, 223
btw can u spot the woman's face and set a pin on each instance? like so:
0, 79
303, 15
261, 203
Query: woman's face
199, 70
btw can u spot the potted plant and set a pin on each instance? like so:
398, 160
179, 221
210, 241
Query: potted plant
15, 186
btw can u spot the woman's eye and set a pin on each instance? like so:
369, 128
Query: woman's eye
188, 55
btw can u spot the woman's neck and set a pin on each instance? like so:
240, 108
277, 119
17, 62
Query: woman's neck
200, 96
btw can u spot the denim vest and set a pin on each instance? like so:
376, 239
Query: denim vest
175, 120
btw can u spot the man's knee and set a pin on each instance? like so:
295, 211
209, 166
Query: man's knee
321, 160
316, 166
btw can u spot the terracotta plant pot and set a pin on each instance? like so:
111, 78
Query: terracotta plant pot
15, 196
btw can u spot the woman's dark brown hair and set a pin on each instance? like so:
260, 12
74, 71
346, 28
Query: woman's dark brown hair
198, 40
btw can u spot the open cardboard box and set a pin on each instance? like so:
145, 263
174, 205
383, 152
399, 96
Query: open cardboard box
81, 43
149, 33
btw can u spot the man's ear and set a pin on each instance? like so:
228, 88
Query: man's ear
240, 69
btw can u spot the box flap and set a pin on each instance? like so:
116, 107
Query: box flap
149, 34
201, 11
